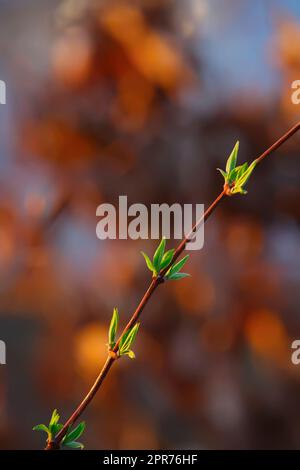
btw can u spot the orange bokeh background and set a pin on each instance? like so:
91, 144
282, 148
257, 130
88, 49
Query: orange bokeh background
147, 98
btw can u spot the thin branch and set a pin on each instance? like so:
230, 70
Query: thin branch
279, 142
112, 356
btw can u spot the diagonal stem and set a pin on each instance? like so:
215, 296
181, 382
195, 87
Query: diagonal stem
134, 318
279, 142
147, 296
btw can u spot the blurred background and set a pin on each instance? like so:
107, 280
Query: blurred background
146, 98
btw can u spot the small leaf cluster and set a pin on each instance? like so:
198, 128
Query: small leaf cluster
70, 439
126, 340
235, 177
162, 259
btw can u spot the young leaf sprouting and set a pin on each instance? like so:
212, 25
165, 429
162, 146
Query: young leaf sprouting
70, 439
174, 273
54, 418
224, 174
166, 259
230, 164
149, 263
127, 341
113, 328
235, 177
54, 427
232, 159
158, 255
161, 259
43, 428
243, 178
74, 445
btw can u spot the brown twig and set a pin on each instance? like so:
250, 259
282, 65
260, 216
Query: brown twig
147, 296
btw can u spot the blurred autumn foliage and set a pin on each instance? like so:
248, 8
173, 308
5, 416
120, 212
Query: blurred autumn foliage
123, 97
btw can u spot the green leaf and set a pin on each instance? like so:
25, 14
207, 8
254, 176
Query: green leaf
75, 434
241, 169
158, 255
74, 445
167, 258
54, 418
129, 353
53, 425
238, 190
177, 276
123, 339
234, 173
55, 428
149, 262
242, 180
42, 427
231, 176
113, 328
224, 174
128, 339
177, 266
231, 162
